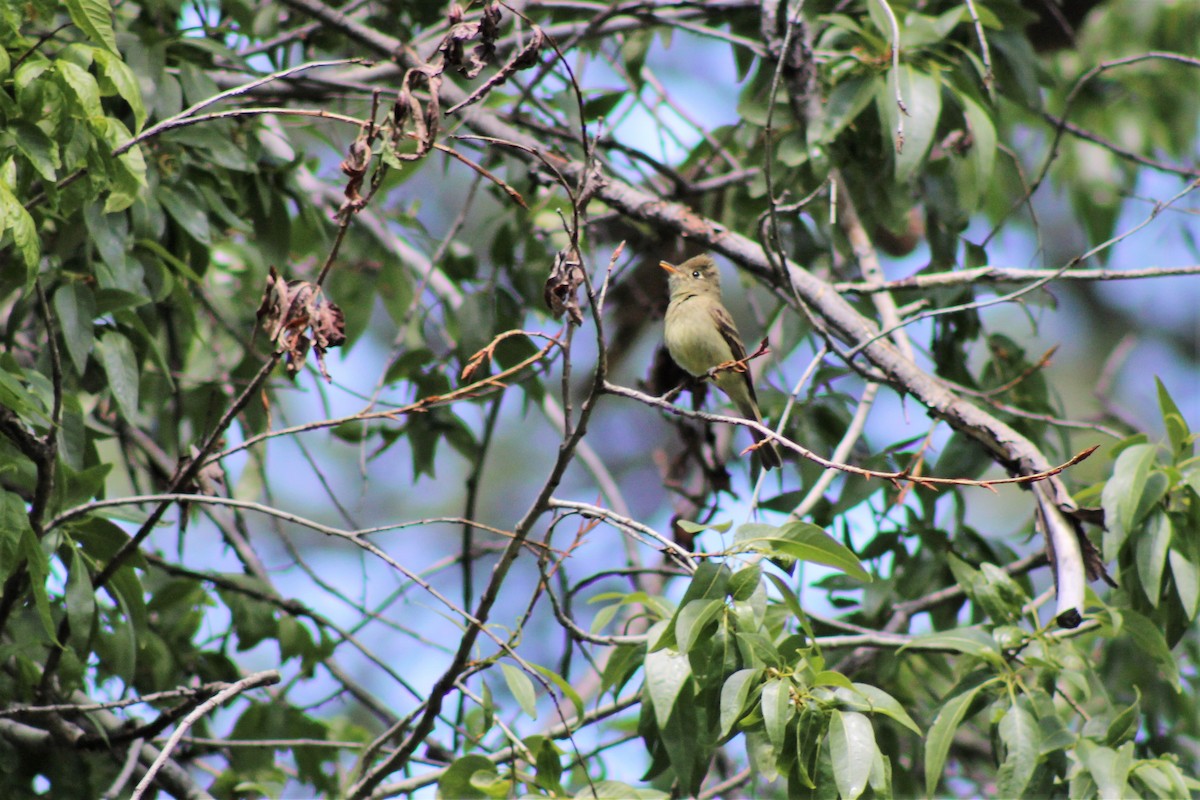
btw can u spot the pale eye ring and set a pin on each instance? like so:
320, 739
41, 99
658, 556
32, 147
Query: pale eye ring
695, 273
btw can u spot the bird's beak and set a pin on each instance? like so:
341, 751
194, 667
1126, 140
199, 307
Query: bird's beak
668, 267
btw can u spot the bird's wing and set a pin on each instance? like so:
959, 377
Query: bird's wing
728, 331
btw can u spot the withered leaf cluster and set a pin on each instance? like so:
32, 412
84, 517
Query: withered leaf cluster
561, 292
485, 29
354, 166
408, 108
296, 316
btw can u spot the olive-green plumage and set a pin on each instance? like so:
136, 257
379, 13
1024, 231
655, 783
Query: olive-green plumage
700, 335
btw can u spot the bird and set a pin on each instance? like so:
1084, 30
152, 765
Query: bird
700, 335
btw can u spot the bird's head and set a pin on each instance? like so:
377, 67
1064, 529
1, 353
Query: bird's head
696, 275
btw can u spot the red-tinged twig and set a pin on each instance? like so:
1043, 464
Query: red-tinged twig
897, 479
424, 404
1041, 364
739, 364
489, 351
538, 154
508, 190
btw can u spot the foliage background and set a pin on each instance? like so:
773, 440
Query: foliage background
477, 573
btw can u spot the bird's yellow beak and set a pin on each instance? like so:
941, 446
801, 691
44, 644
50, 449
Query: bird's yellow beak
668, 267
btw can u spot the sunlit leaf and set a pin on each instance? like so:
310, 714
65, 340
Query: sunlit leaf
853, 750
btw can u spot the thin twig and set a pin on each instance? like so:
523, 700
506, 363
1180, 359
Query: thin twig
999, 275
896, 478
264, 678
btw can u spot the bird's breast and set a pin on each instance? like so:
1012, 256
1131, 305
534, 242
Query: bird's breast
692, 336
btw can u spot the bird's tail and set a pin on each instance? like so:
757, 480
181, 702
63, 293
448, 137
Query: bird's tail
768, 453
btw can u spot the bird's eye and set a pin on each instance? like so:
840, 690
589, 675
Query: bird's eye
695, 273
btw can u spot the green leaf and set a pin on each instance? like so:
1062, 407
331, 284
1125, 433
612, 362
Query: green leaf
962, 457
917, 31
711, 580
695, 527
792, 602
777, 710
734, 694
667, 672
624, 659
853, 750
548, 761
76, 308
296, 641
1150, 548
872, 699
1163, 778
1156, 488
108, 234
792, 149
972, 641
635, 46
14, 217
841, 108
129, 174
94, 18
762, 755
880, 779
487, 710
186, 207
878, 10
13, 522
615, 790
74, 487
1109, 768
80, 84
492, 784
745, 581
659, 607
693, 619
831, 677
254, 620
14, 394
168, 258
600, 104
810, 733
1022, 742
941, 735
521, 688
1148, 638
1124, 726
922, 97
920, 30
803, 541
116, 74
566, 688
1123, 493
39, 571
80, 601
1186, 574
982, 153
688, 753
121, 367
118, 648
1001, 596
37, 148
459, 778
1178, 431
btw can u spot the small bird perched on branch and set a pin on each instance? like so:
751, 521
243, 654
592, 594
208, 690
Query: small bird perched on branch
701, 336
